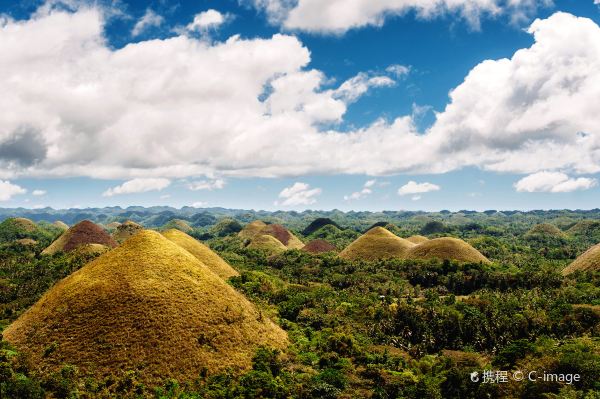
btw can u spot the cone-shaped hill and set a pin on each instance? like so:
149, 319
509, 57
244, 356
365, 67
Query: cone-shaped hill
265, 242
585, 228
283, 235
82, 233
126, 230
317, 224
202, 253
113, 225
148, 305
251, 229
377, 243
544, 229
319, 247
418, 239
16, 228
61, 225
178, 224
589, 260
446, 248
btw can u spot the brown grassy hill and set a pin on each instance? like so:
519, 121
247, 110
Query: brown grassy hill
251, 229
113, 225
585, 227
267, 243
318, 247
22, 224
377, 243
283, 235
82, 233
202, 252
178, 224
446, 248
589, 260
91, 249
126, 230
417, 239
61, 225
147, 305
544, 229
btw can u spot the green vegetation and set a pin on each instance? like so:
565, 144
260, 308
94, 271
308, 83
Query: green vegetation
361, 328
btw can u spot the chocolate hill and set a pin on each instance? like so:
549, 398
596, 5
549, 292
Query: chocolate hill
319, 247
178, 224
251, 229
283, 235
417, 239
446, 248
61, 225
267, 243
317, 224
377, 243
147, 305
82, 233
13, 229
588, 261
126, 230
203, 253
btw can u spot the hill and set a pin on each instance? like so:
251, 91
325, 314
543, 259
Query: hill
417, 239
178, 224
113, 225
225, 227
147, 305
447, 248
17, 228
544, 229
126, 230
318, 247
267, 243
282, 234
203, 253
585, 228
588, 261
251, 229
61, 225
317, 224
377, 243
82, 233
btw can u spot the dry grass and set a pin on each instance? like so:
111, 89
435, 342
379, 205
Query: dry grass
589, 260
82, 233
283, 235
126, 230
267, 243
178, 224
377, 243
446, 248
22, 225
202, 252
113, 225
545, 229
417, 239
147, 305
61, 225
251, 229
318, 247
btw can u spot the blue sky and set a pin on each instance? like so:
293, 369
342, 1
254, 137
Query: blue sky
454, 162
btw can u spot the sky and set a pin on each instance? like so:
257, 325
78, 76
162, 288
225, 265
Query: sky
293, 105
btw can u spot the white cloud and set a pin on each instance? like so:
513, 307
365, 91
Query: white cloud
209, 19
8, 190
38, 192
338, 16
553, 182
416, 197
216, 184
298, 194
165, 196
139, 185
199, 204
398, 70
183, 107
148, 20
412, 187
366, 190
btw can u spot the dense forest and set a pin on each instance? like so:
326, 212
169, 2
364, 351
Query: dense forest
383, 328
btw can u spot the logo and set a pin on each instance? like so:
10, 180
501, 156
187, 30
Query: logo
474, 376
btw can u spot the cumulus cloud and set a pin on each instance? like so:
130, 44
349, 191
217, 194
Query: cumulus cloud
553, 182
148, 20
209, 185
298, 194
210, 19
412, 187
8, 190
338, 16
366, 190
139, 185
38, 192
398, 70
183, 107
